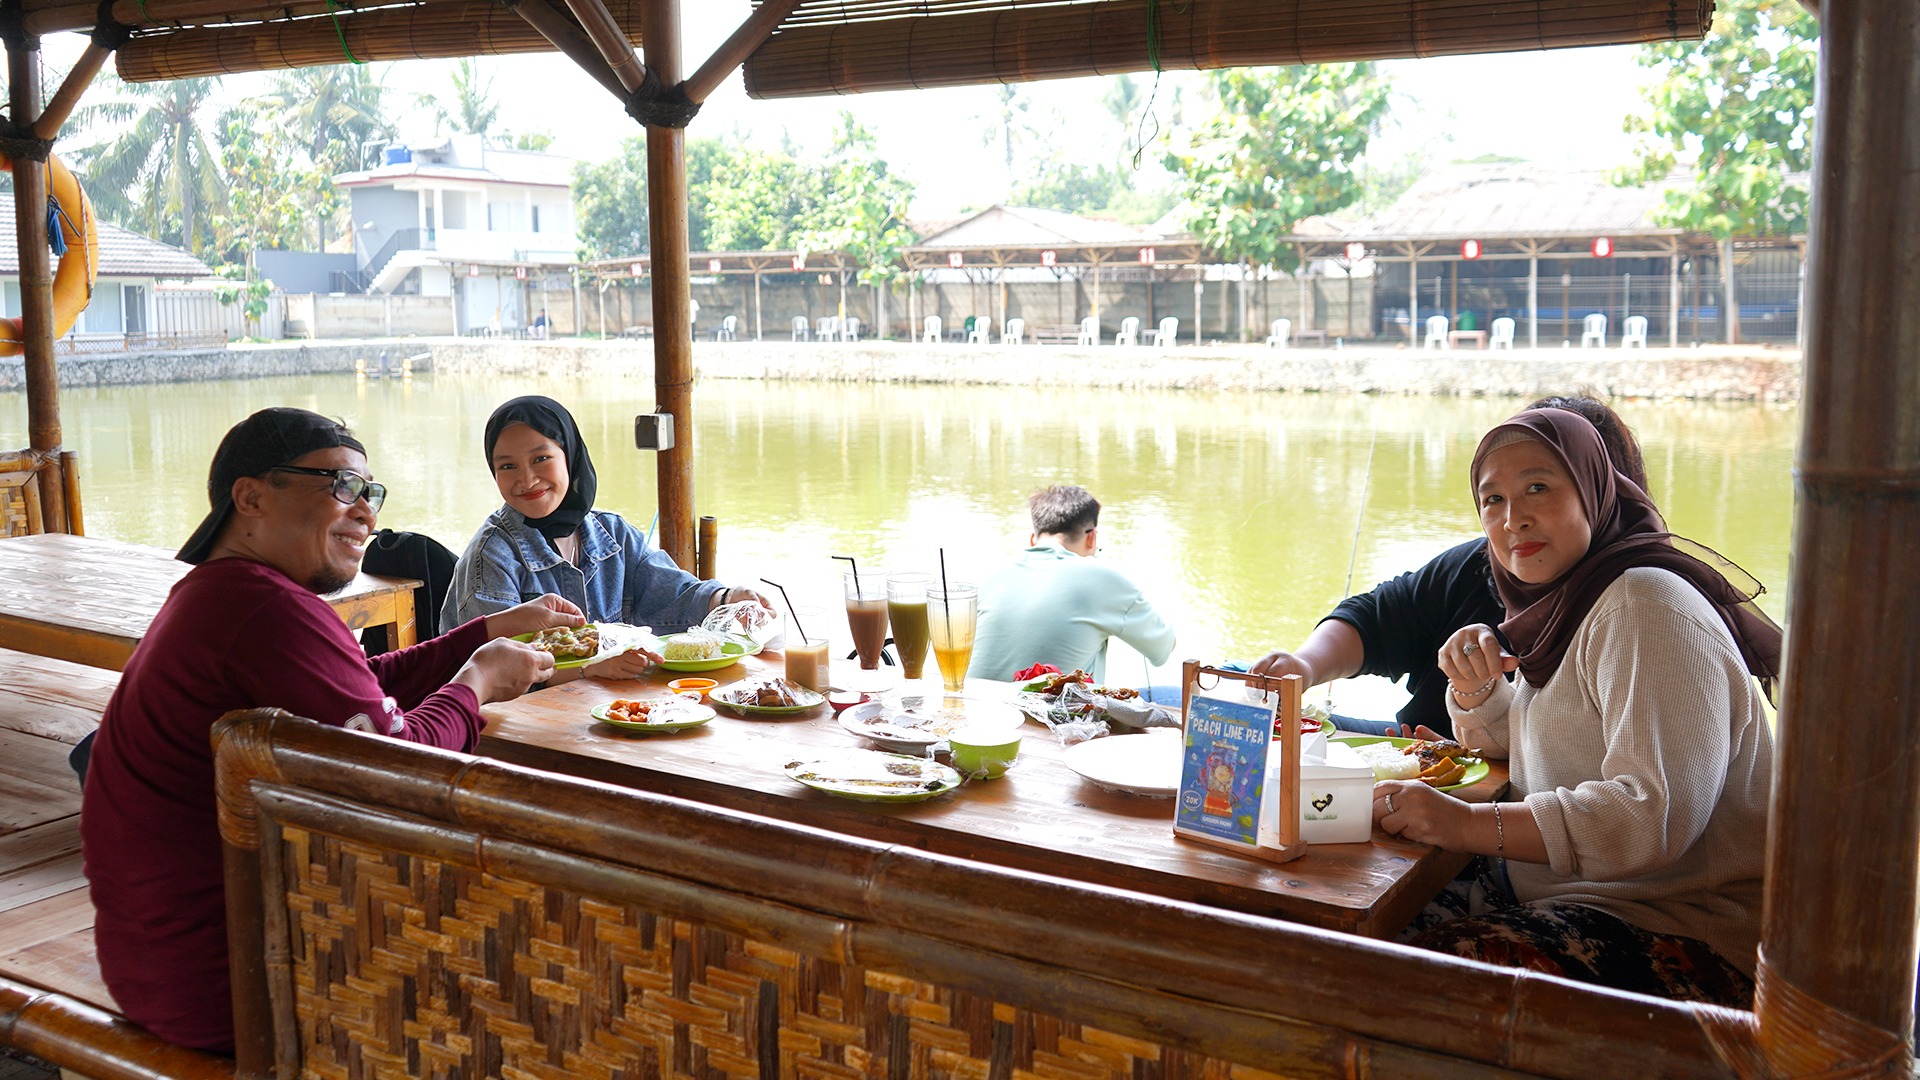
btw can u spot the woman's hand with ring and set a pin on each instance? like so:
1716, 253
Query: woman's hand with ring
1472, 657
1411, 809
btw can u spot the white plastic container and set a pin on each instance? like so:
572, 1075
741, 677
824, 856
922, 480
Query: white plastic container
1336, 800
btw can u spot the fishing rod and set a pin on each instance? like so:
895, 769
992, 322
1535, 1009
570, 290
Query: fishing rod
1359, 516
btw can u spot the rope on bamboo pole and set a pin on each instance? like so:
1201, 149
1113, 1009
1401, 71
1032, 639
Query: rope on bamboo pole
655, 105
1792, 1033
108, 32
17, 145
333, 12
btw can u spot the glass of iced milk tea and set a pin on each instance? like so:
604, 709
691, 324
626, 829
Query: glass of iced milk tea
867, 614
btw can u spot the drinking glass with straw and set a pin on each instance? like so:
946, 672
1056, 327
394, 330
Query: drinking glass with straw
951, 613
806, 658
866, 612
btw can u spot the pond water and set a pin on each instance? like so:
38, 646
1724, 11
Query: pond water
1242, 516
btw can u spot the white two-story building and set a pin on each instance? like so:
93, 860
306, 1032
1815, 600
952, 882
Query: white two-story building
489, 226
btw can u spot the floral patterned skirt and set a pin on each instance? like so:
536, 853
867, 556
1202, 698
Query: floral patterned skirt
1477, 917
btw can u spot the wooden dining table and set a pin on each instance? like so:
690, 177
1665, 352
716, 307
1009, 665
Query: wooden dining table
1041, 816
89, 600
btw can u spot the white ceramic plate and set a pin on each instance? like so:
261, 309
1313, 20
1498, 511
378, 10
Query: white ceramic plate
1147, 764
926, 722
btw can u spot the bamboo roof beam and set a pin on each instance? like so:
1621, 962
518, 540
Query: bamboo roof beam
68, 96
739, 45
414, 31
611, 41
672, 289
855, 46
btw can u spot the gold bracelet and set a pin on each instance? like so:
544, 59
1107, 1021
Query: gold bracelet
1458, 696
1500, 830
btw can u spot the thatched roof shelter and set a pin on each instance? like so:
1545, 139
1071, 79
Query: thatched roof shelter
1837, 971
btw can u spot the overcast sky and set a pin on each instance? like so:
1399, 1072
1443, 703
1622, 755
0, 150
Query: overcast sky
1562, 107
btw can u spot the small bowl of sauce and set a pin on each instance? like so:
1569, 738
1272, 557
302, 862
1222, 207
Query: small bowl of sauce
700, 687
842, 700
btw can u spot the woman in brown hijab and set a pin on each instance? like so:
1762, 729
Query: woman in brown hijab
1630, 852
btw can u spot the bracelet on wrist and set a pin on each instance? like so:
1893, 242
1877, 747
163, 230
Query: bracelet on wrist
1458, 696
1500, 834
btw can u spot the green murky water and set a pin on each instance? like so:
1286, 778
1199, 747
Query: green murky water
1237, 513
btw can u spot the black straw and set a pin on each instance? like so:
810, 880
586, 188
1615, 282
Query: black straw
792, 614
946, 596
856, 572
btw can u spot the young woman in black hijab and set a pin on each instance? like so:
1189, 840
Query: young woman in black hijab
548, 538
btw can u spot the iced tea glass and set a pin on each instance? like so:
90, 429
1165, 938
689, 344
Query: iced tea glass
867, 614
951, 612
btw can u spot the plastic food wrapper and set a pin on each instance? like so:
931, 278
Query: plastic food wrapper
746, 619
1079, 713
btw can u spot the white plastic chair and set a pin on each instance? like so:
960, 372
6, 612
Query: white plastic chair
1502, 334
982, 331
1167, 335
1593, 329
1129, 331
727, 327
802, 329
850, 328
1015, 333
827, 328
1089, 332
1437, 332
1634, 332
1282, 331
931, 334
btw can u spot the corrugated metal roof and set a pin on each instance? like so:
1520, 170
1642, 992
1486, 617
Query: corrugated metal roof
123, 253
1515, 200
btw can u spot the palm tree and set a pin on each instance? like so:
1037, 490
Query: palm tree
338, 112
157, 167
471, 108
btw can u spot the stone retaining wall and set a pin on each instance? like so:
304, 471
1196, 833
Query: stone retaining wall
1722, 374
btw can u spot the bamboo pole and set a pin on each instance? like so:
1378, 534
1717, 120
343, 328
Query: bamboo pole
84, 69
613, 45
672, 323
739, 45
36, 288
709, 557
1841, 876
557, 27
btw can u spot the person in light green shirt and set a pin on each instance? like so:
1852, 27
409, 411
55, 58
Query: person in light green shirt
1058, 605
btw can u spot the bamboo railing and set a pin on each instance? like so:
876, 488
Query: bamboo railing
828, 46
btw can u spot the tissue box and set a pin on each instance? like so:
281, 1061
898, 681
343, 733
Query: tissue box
1336, 799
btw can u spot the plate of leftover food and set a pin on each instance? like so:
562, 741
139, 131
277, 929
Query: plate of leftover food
571, 646
1441, 763
654, 714
770, 696
698, 650
913, 724
875, 776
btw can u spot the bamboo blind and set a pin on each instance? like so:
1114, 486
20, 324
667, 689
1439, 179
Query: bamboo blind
405, 32
854, 46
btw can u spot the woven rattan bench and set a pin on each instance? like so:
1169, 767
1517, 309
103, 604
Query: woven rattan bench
401, 911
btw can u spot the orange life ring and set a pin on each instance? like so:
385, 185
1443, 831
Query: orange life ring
73, 281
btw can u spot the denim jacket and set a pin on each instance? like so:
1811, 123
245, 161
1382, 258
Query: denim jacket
619, 578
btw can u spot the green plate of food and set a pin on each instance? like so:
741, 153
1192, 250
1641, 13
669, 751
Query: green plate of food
875, 776
653, 715
695, 651
1395, 758
571, 646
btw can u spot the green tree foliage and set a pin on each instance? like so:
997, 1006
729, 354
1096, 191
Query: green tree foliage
610, 202
273, 192
864, 208
1742, 100
1282, 146
337, 113
158, 170
756, 201
470, 108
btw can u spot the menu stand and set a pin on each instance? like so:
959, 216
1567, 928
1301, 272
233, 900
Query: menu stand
1195, 788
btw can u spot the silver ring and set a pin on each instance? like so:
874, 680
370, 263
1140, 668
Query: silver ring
1469, 648
1390, 808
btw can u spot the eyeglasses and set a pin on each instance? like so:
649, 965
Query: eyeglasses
348, 486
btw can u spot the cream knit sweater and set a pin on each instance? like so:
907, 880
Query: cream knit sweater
1646, 761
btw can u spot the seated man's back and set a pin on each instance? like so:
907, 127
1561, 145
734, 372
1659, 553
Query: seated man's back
1057, 604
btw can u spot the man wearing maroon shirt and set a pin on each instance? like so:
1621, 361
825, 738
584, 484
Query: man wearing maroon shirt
293, 508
